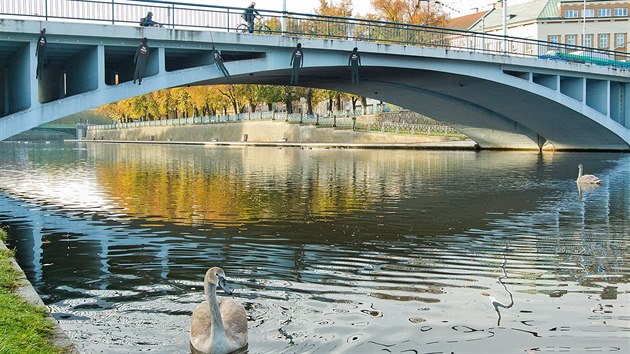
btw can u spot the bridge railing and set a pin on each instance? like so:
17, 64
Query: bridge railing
196, 16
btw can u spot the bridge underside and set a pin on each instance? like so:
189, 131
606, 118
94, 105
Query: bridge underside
499, 102
494, 115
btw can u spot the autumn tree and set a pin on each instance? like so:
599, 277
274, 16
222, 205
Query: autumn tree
328, 8
120, 110
420, 12
230, 92
198, 101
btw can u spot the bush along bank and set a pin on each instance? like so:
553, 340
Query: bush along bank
24, 327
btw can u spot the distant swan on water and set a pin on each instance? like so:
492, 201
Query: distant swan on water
218, 326
586, 179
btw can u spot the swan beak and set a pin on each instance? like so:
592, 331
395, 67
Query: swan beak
224, 286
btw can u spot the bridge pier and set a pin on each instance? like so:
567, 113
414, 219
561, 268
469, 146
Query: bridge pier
100, 74
51, 85
596, 92
573, 87
118, 64
619, 107
82, 71
16, 84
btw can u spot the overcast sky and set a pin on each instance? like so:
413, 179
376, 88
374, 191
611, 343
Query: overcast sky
360, 6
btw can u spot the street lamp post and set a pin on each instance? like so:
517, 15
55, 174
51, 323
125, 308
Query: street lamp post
504, 26
504, 18
584, 24
284, 16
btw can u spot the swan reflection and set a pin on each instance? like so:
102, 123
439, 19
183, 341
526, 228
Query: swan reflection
494, 302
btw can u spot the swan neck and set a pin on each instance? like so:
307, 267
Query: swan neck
215, 313
579, 172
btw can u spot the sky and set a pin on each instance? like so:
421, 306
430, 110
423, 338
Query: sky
454, 7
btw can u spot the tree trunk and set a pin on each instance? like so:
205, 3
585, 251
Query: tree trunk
364, 104
309, 102
289, 104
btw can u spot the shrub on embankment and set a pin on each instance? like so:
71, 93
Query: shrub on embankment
24, 327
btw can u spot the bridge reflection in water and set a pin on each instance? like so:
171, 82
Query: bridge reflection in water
336, 250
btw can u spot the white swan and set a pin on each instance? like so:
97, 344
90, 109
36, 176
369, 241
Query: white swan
586, 179
217, 326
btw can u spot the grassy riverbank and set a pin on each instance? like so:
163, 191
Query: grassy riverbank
24, 327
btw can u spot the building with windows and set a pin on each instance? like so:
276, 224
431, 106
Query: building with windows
600, 24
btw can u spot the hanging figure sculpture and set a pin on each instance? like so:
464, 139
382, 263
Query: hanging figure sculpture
141, 58
218, 60
40, 53
354, 63
297, 61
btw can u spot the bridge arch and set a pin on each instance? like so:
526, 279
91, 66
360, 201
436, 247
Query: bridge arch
498, 101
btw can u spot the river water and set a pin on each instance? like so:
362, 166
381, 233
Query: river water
329, 250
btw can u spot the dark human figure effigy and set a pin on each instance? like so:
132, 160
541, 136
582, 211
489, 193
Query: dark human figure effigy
354, 63
40, 53
140, 59
218, 60
297, 61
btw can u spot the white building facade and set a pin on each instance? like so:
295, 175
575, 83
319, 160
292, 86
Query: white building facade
598, 24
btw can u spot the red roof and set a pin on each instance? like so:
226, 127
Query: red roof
465, 22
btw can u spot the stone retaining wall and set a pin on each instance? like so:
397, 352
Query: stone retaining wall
255, 131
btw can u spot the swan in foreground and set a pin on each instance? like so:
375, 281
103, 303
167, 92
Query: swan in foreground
586, 179
217, 326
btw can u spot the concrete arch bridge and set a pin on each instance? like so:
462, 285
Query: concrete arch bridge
498, 100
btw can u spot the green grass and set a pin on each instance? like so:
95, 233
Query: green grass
24, 327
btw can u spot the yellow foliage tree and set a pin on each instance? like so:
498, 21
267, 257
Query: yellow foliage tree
328, 8
410, 11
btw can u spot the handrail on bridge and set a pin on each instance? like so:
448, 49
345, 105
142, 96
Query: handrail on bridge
198, 16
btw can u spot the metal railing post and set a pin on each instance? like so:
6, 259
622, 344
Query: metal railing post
173, 18
113, 5
46, 10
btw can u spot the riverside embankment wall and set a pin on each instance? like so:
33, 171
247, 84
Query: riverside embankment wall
256, 131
